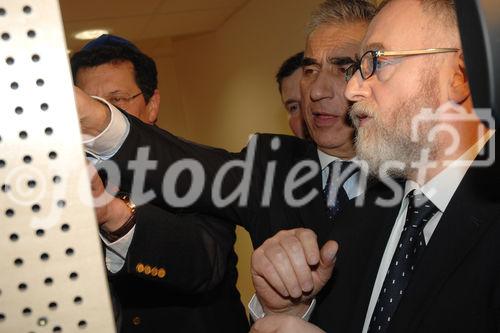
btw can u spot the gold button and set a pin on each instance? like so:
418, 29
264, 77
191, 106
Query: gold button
136, 320
154, 271
161, 273
139, 268
147, 269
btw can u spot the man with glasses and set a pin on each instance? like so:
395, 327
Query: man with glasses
422, 254
168, 272
114, 69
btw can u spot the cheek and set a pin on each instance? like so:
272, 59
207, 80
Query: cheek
294, 120
305, 89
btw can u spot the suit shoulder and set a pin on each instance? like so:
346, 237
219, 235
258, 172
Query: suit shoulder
280, 141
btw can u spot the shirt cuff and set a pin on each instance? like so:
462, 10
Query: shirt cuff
109, 141
257, 312
116, 252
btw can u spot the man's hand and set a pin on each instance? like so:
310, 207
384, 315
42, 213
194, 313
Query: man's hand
94, 116
111, 213
288, 270
284, 324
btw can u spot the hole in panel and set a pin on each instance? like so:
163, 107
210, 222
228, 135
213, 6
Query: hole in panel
35, 208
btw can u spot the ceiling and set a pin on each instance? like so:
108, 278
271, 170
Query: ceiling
145, 19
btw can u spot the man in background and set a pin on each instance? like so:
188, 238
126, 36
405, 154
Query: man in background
168, 271
288, 79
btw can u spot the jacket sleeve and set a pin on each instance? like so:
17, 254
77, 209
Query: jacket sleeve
189, 253
166, 150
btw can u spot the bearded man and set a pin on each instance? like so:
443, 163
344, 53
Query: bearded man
422, 253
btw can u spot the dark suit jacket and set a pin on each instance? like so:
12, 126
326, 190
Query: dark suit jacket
456, 284
179, 275
261, 221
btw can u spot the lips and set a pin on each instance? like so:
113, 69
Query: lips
362, 119
360, 114
324, 119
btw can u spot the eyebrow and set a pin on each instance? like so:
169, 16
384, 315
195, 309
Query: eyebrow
371, 47
309, 61
340, 61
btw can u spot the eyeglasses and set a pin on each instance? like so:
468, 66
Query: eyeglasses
370, 61
119, 99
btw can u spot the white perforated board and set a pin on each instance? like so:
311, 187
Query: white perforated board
52, 276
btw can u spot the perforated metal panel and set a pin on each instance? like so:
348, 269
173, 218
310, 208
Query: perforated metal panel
52, 276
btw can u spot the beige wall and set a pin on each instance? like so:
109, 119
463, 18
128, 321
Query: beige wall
219, 87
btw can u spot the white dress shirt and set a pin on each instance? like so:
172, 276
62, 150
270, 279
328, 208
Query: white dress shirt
103, 147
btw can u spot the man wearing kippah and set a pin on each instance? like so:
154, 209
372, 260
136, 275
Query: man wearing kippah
168, 271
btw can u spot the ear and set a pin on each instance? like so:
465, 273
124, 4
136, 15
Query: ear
459, 89
153, 107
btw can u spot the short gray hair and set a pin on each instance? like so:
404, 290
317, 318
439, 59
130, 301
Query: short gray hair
340, 12
443, 9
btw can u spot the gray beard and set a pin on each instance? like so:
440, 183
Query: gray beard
388, 149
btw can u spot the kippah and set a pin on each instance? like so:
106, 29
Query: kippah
109, 40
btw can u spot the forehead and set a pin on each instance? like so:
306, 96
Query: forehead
290, 85
111, 74
335, 39
400, 25
293, 80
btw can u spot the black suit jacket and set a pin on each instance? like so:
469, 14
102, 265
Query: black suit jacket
456, 284
260, 220
179, 275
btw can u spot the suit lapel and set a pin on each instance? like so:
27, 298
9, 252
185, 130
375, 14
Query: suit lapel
466, 218
373, 235
313, 215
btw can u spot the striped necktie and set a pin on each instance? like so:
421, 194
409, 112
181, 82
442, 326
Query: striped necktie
333, 192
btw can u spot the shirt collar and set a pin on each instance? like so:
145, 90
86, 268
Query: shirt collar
441, 188
325, 159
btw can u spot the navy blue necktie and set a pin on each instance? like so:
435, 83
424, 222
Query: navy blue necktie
334, 193
410, 248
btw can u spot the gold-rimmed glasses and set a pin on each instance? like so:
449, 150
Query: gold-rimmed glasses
370, 61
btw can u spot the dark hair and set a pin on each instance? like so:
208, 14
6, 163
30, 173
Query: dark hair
145, 73
289, 67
